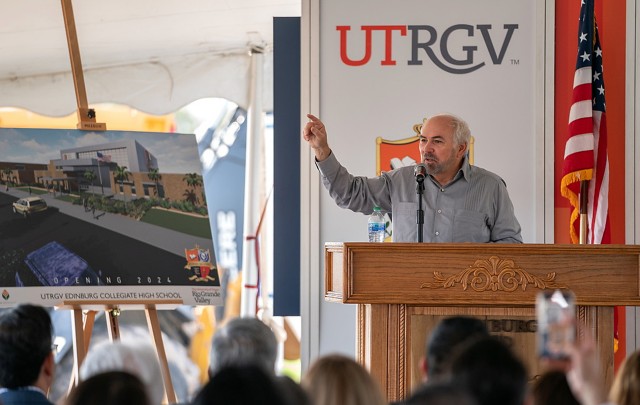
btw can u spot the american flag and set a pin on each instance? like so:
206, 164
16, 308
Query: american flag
585, 154
103, 158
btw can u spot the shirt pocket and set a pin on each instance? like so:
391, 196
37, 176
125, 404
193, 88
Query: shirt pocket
470, 226
404, 222
405, 208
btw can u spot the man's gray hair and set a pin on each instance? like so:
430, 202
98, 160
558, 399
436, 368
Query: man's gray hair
461, 131
244, 341
137, 358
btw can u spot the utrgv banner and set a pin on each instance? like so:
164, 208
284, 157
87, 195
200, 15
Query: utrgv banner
385, 66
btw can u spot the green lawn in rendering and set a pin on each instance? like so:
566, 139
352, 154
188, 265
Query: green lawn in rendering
35, 191
196, 226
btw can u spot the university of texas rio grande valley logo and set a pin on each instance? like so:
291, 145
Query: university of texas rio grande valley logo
199, 265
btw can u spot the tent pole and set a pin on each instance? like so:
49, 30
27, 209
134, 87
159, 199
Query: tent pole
252, 187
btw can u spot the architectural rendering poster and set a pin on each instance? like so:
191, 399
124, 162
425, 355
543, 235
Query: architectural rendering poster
93, 217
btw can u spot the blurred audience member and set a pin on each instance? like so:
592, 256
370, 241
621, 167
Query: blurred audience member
243, 341
185, 375
626, 385
139, 359
445, 338
584, 375
110, 388
337, 379
440, 394
293, 391
552, 388
247, 384
27, 364
491, 372
248, 341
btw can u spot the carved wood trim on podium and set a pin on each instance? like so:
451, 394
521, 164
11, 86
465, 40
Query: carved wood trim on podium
404, 289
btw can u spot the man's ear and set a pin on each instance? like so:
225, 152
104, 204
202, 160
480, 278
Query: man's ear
462, 149
49, 365
424, 368
47, 373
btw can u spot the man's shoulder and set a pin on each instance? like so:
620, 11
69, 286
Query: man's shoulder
401, 172
484, 175
21, 397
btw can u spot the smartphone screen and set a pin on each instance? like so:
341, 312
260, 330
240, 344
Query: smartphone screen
556, 315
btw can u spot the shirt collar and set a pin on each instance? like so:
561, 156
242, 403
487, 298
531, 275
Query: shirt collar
464, 172
465, 169
28, 388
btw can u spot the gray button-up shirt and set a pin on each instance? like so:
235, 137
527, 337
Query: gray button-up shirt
473, 207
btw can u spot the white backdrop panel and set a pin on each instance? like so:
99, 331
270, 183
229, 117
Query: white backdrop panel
501, 99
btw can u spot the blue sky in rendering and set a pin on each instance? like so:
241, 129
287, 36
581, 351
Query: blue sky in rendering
176, 153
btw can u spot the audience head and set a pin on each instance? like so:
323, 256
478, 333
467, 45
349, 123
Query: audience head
246, 384
552, 388
491, 372
110, 388
445, 338
243, 341
337, 379
26, 356
138, 359
626, 385
440, 394
293, 392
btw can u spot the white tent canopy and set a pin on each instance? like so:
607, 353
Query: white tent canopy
153, 55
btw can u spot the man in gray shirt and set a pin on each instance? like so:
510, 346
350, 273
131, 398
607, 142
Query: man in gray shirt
461, 202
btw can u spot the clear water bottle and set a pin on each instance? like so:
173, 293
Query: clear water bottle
376, 226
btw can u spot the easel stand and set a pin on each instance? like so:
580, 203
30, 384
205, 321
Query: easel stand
86, 116
84, 313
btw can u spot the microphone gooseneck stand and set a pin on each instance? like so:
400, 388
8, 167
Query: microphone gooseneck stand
420, 212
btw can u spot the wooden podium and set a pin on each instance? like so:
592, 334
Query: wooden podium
404, 289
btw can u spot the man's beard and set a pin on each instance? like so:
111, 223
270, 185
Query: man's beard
433, 166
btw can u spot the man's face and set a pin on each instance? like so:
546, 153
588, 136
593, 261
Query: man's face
438, 149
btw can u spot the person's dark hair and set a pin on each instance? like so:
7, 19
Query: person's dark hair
293, 392
440, 394
25, 342
552, 388
242, 385
449, 334
491, 372
243, 341
110, 388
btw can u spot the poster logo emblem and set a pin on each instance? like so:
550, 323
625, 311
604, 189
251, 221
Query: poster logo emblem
199, 265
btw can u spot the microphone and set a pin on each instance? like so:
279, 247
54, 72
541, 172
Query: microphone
420, 172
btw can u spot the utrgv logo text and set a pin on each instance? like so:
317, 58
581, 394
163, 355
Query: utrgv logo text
418, 42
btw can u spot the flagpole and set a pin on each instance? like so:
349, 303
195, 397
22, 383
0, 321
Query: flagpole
584, 197
100, 176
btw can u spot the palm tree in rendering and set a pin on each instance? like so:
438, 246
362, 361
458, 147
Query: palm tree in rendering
155, 176
7, 172
121, 174
90, 176
193, 180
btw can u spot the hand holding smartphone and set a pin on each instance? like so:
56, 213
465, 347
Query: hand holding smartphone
556, 315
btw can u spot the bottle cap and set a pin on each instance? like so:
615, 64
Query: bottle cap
376, 208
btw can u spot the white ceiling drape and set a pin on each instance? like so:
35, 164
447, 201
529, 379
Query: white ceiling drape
153, 55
